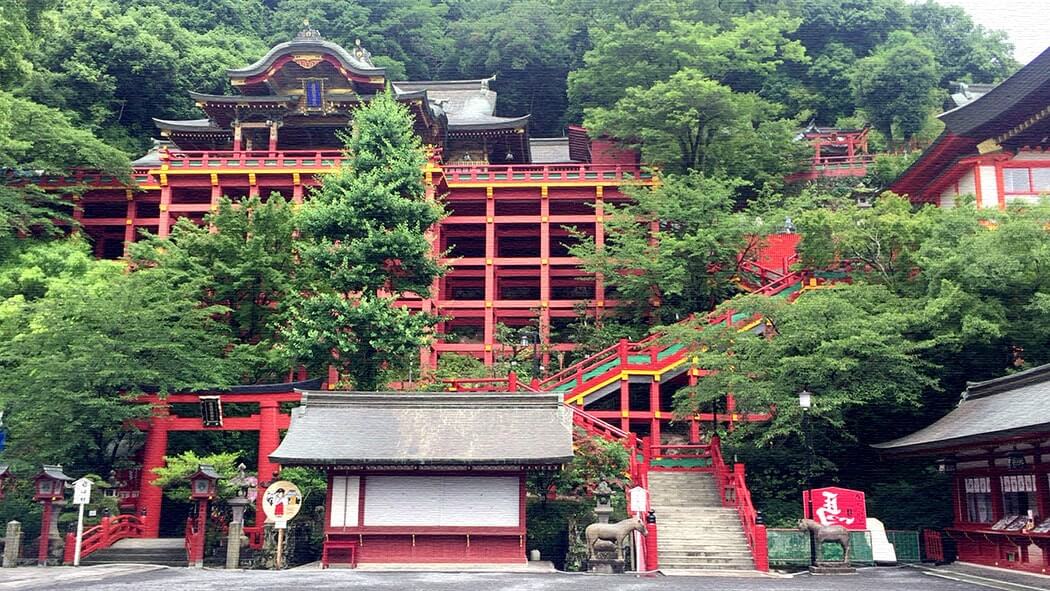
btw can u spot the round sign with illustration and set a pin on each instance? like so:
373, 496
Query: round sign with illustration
281, 501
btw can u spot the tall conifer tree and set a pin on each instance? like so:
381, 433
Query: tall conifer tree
363, 242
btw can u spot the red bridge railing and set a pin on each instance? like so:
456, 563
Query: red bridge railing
103, 535
545, 172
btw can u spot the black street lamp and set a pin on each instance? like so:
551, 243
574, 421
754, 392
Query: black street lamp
805, 402
531, 336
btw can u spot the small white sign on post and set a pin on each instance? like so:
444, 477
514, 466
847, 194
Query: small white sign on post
639, 500
81, 497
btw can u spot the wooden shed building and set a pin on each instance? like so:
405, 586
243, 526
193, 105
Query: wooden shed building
997, 445
426, 477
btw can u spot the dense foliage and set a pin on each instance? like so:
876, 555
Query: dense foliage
712, 91
363, 240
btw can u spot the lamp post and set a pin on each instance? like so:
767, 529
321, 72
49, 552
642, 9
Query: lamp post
805, 402
531, 336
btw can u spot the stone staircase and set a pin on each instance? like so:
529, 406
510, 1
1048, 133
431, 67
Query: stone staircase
695, 531
162, 551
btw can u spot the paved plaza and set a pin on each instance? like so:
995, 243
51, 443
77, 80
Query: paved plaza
136, 577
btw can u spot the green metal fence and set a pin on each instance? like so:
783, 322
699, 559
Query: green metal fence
905, 544
789, 547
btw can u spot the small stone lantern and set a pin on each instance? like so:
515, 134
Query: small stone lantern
602, 505
204, 483
50, 484
204, 486
5, 475
49, 487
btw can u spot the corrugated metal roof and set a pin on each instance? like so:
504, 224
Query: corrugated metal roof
391, 428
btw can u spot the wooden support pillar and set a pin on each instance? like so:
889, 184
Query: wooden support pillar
272, 147
599, 242
625, 404
490, 276
45, 534
164, 225
654, 407
237, 136
545, 276
131, 223
216, 190
269, 438
253, 185
694, 423
150, 495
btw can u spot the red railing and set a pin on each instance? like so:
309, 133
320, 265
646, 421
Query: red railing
732, 487
592, 425
933, 545
103, 535
254, 533
290, 159
545, 172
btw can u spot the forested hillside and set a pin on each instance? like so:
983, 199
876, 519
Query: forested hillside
111, 65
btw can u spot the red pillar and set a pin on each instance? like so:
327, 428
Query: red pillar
625, 404
654, 406
164, 226
545, 276
268, 440
490, 276
150, 495
652, 558
45, 530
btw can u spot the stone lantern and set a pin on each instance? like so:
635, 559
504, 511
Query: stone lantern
49, 487
5, 475
204, 487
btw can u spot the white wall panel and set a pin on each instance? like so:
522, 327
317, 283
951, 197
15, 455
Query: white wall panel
453, 501
346, 492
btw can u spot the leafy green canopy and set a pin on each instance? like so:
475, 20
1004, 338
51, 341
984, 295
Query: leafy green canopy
75, 356
666, 270
363, 238
242, 260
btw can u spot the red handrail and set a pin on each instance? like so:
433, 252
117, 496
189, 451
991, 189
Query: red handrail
732, 487
104, 535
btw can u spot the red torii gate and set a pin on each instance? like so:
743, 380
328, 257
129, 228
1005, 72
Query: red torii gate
268, 421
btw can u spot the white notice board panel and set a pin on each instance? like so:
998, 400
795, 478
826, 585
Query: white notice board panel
454, 501
346, 491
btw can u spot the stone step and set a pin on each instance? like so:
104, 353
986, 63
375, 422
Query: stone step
706, 563
687, 554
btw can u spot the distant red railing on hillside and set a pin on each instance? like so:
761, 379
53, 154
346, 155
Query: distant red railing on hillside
545, 172
290, 159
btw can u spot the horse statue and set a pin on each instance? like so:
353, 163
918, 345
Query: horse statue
826, 533
612, 532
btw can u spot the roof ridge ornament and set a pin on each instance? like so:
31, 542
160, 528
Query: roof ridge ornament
361, 53
307, 33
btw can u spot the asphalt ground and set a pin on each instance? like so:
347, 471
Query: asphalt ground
139, 577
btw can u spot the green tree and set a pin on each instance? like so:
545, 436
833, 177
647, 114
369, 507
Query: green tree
898, 86
174, 476
36, 140
683, 265
363, 237
524, 47
965, 51
242, 260
78, 356
688, 122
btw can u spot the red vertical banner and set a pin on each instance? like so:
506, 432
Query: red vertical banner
836, 506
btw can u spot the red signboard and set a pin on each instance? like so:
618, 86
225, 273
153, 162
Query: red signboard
836, 506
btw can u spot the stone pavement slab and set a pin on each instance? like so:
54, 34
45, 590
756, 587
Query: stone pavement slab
172, 579
1000, 578
68, 577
